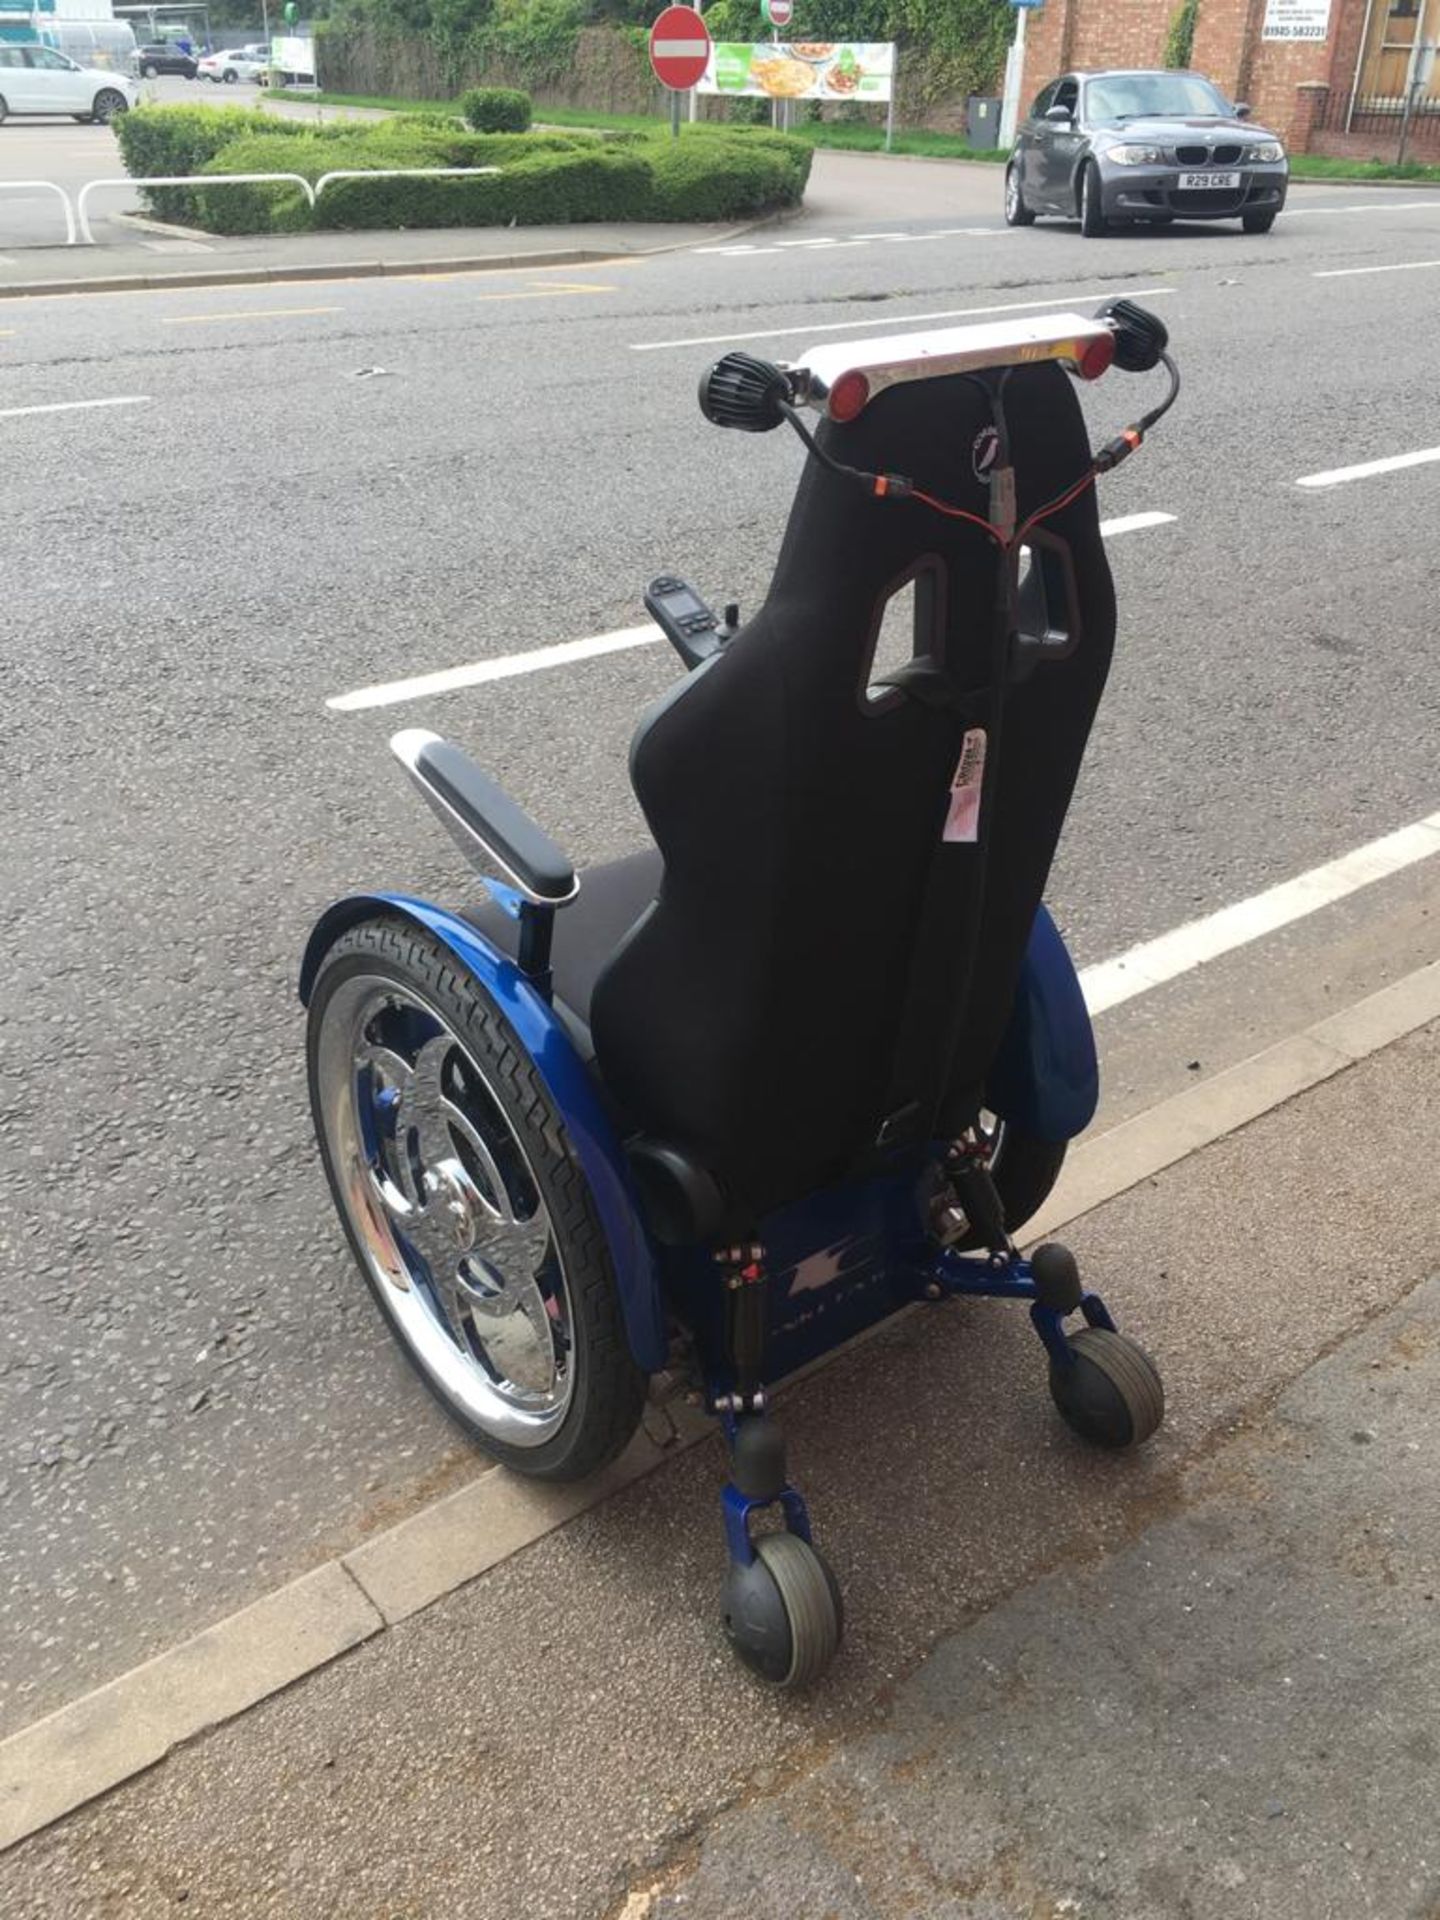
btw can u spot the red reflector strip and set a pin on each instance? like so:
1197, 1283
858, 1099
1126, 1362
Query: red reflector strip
1096, 355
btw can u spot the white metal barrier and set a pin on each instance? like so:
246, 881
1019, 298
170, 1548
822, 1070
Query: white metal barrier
312, 194
87, 238
46, 186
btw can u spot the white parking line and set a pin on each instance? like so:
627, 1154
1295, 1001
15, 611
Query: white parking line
1371, 206
892, 321
75, 406
1151, 964
1396, 266
1337, 476
538, 659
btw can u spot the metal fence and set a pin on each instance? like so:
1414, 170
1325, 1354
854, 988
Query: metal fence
77, 217
1392, 125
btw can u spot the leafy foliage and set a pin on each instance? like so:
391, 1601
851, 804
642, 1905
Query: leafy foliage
1180, 40
496, 109
711, 173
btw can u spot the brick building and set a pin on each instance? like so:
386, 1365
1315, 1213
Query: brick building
1330, 76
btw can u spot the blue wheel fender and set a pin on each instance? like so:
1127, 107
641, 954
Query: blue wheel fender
1045, 1078
566, 1080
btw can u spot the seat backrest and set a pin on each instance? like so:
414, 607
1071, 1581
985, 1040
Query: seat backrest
811, 909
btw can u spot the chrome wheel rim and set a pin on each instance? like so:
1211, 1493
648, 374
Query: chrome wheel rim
1012, 194
444, 1207
107, 106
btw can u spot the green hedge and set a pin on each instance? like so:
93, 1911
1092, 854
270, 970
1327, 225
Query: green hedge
710, 173
170, 140
496, 109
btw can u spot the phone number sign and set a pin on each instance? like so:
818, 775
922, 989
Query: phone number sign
1296, 20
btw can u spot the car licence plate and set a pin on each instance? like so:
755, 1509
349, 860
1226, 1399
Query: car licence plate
1199, 182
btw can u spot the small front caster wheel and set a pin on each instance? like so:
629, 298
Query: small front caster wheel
782, 1613
1110, 1393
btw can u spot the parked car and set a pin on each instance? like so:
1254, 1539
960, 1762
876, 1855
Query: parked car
36, 79
1146, 147
163, 56
235, 63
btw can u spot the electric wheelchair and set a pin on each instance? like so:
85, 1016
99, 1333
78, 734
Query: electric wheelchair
814, 1055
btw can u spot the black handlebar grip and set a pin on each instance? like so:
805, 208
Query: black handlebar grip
741, 391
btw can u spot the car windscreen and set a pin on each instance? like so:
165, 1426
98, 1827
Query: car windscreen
1152, 96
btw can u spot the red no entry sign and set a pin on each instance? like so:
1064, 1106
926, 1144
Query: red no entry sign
679, 48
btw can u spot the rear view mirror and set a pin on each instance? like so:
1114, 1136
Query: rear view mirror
1242, 111
1058, 115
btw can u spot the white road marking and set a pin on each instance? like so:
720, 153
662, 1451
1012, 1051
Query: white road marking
892, 321
1372, 206
76, 406
1154, 962
538, 659
1337, 476
1397, 266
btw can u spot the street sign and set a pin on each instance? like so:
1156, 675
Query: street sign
777, 12
679, 48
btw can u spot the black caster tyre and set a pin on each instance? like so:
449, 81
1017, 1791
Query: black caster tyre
783, 1613
1111, 1395
1017, 214
1092, 214
465, 1205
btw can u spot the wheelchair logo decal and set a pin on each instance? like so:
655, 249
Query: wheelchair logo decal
984, 452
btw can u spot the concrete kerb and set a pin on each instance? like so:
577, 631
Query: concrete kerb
90, 1746
509, 262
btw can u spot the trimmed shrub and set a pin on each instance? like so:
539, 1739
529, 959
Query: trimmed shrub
160, 140
708, 174
496, 109
709, 180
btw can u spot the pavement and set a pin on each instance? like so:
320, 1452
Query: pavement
1202, 1680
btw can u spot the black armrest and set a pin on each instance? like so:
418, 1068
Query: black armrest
484, 820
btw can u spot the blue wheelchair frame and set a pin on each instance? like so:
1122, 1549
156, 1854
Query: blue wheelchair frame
837, 1261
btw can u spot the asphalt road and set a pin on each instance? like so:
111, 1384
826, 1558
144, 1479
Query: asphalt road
309, 491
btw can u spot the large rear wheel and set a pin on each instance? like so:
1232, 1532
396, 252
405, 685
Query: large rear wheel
465, 1204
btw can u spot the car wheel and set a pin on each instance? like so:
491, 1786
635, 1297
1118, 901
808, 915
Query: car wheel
149, 73
1092, 217
1017, 214
1257, 222
108, 103
3, 111
231, 76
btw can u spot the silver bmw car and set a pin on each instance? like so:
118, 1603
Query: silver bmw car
1108, 148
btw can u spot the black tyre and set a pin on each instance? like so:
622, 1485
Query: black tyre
108, 105
231, 76
1017, 214
1110, 1394
783, 1613
149, 73
465, 1204
3, 111
1092, 216
1257, 222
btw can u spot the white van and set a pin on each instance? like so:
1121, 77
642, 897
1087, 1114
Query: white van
39, 80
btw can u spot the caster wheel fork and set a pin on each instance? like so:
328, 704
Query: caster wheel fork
781, 1605
1105, 1386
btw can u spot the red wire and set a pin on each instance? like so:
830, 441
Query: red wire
1041, 513
958, 513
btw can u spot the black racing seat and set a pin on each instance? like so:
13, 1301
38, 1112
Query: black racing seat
612, 898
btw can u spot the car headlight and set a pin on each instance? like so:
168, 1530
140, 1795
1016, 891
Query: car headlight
1267, 153
1136, 156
